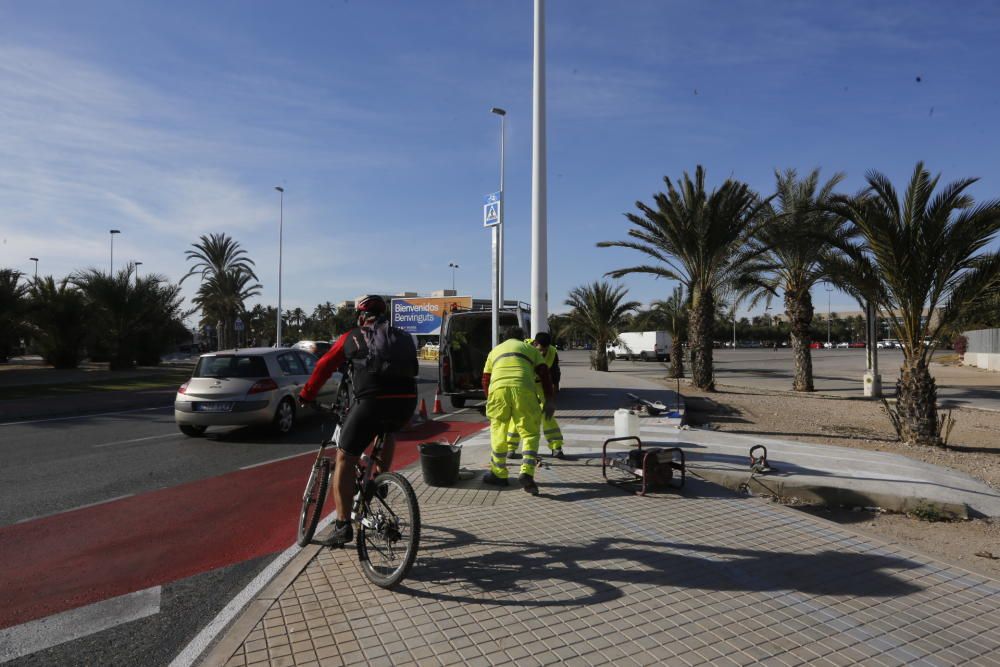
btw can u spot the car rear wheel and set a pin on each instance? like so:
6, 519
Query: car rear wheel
192, 430
284, 416
458, 402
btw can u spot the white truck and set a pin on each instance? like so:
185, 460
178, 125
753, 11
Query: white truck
645, 345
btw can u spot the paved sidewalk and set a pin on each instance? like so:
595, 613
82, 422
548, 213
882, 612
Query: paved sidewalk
586, 574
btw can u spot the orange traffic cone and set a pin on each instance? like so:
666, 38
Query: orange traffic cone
438, 410
423, 410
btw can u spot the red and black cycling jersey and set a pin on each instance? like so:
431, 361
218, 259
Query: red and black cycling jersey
351, 348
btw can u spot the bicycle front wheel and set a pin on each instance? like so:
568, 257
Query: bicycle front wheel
389, 534
312, 501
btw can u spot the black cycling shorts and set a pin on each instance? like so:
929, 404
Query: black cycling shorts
370, 417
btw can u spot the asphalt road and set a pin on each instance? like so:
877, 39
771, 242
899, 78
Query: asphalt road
835, 371
82, 500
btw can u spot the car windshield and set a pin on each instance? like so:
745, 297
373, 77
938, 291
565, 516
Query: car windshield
231, 366
322, 348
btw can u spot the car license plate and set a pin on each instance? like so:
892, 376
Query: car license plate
213, 407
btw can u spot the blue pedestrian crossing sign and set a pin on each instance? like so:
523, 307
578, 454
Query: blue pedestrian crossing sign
491, 209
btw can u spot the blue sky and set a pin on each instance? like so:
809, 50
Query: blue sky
168, 120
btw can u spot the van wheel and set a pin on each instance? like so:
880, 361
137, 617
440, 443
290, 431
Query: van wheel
611, 356
458, 402
191, 430
643, 356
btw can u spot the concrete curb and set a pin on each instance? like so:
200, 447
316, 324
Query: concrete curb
233, 636
827, 495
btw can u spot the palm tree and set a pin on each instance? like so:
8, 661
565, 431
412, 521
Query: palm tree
216, 254
798, 236
598, 314
675, 317
13, 303
222, 298
138, 316
927, 252
226, 269
703, 240
60, 321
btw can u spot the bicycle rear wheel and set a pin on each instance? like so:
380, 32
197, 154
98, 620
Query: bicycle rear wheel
312, 501
389, 534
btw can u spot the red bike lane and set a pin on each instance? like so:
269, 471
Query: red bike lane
76, 558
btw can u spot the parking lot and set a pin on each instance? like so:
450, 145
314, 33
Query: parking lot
840, 372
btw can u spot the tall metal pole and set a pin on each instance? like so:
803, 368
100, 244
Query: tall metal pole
539, 251
112, 233
35, 260
503, 205
281, 226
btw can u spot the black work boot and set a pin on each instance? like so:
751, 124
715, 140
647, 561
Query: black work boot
528, 484
342, 534
493, 480
558, 453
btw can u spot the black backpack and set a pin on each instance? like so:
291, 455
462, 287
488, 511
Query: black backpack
391, 351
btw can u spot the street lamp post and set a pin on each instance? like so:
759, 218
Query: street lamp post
35, 260
113, 232
281, 226
503, 204
453, 266
137, 265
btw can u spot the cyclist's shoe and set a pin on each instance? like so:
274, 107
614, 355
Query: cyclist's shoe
493, 480
513, 455
528, 484
558, 453
340, 536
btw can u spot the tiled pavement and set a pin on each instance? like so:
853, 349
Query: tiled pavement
586, 574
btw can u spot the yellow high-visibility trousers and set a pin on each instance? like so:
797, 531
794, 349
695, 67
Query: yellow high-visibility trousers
550, 429
516, 409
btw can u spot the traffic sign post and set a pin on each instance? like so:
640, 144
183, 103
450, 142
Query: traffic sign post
238, 327
491, 220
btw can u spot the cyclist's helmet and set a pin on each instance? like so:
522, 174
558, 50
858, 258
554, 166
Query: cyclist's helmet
371, 303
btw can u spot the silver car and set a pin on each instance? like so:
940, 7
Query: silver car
247, 387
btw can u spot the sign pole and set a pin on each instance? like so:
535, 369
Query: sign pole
492, 210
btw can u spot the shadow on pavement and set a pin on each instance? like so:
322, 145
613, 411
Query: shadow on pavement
530, 574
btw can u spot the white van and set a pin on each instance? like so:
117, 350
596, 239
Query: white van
645, 345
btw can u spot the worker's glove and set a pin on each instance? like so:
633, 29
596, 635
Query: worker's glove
550, 408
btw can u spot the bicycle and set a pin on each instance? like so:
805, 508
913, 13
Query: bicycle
385, 513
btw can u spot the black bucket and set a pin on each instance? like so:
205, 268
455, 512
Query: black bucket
439, 463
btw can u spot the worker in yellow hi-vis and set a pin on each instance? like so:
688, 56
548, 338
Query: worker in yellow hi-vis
550, 427
511, 399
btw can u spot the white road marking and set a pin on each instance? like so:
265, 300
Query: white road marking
56, 629
73, 509
283, 458
96, 414
207, 636
125, 442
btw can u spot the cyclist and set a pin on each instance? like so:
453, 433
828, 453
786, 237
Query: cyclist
382, 403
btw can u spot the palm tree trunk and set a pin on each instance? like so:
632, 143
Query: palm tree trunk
916, 403
799, 309
599, 360
676, 357
700, 335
